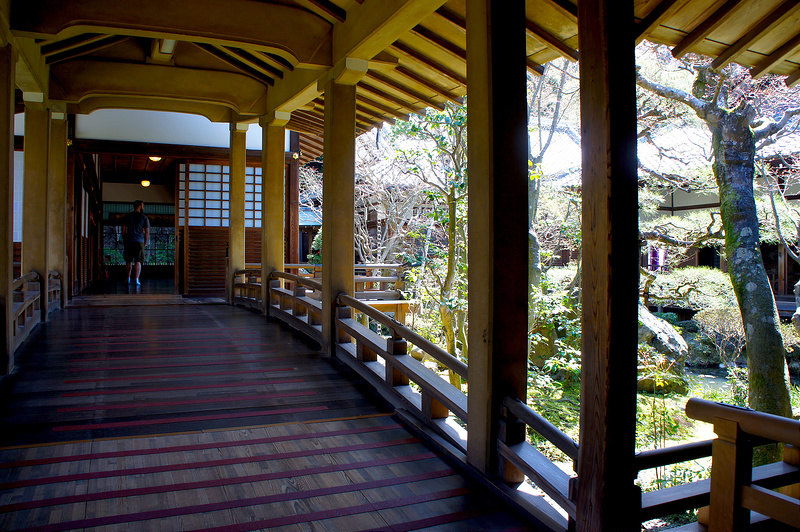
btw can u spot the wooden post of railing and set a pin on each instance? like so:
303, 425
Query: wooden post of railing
512, 432
298, 309
274, 297
732, 458
343, 312
791, 455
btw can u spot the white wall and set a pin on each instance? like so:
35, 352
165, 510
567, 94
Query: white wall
160, 128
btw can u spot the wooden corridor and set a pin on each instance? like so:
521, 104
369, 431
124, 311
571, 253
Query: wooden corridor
173, 417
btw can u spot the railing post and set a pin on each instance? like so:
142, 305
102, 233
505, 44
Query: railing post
273, 298
731, 464
512, 432
791, 455
298, 309
343, 312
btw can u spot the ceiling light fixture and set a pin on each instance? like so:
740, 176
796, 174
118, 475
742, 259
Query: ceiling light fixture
154, 158
145, 183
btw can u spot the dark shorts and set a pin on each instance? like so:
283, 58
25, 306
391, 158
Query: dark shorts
134, 252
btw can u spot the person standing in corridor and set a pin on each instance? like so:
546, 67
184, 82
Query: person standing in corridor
135, 235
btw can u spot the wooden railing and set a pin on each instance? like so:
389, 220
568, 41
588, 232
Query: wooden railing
383, 359
27, 310
247, 288
28, 302
294, 305
513, 447
737, 487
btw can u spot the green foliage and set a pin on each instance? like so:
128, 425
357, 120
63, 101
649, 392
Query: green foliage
315, 253
695, 288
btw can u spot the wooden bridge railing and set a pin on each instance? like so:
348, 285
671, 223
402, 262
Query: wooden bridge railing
28, 302
737, 487
383, 359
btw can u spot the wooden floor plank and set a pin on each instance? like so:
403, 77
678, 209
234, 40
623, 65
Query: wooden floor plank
210, 418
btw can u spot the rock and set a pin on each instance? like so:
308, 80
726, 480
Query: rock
702, 352
663, 338
666, 383
688, 326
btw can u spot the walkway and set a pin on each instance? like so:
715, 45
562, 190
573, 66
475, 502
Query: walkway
167, 417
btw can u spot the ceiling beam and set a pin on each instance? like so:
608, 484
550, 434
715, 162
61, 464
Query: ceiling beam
766, 24
134, 84
369, 29
373, 26
775, 57
325, 8
63, 45
298, 35
654, 19
705, 28
535, 67
566, 8
379, 106
94, 46
551, 41
386, 96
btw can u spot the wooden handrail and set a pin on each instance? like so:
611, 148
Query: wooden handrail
28, 277
672, 455
769, 426
299, 279
423, 343
538, 423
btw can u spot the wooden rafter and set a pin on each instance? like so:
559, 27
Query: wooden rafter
775, 57
254, 61
566, 8
379, 106
792, 80
439, 42
535, 67
63, 45
326, 8
409, 52
655, 18
385, 96
222, 54
93, 45
275, 61
706, 27
776, 17
551, 41
454, 18
405, 90
426, 83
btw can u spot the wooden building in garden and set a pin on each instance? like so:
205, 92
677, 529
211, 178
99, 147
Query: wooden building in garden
331, 69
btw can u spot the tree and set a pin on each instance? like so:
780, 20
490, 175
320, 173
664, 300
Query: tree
736, 128
433, 148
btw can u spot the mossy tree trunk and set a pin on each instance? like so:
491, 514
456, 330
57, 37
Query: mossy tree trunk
734, 153
734, 147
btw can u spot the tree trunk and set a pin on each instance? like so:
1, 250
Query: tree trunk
734, 152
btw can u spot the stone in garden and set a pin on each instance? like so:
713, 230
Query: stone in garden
663, 338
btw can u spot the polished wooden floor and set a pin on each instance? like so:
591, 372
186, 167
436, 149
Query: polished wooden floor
135, 416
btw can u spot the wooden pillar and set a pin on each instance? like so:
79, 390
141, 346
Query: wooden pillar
273, 164
498, 214
338, 189
35, 215
292, 228
607, 498
7, 63
57, 199
238, 162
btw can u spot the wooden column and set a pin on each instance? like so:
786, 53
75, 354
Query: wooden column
292, 228
35, 215
498, 214
338, 189
273, 164
607, 498
236, 220
7, 62
57, 199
